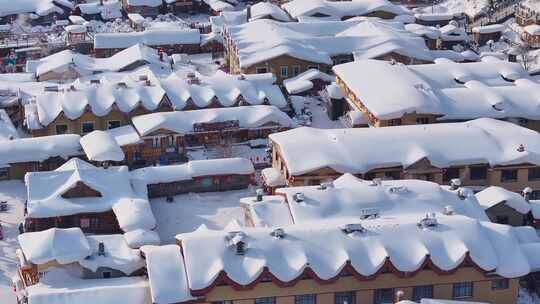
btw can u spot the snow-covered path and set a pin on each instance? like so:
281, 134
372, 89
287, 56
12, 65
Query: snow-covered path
14, 192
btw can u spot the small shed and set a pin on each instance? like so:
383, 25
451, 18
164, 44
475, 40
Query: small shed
483, 34
531, 35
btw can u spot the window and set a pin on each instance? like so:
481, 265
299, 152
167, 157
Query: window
422, 121
106, 274
392, 174
369, 176
137, 155
509, 175
535, 195
305, 299
478, 173
394, 122
222, 302
156, 142
4, 173
316, 67
422, 292
284, 71
295, 70
265, 301
499, 284
94, 222
462, 290
534, 173
450, 173
61, 129
111, 124
87, 127
384, 296
84, 223
345, 298
261, 70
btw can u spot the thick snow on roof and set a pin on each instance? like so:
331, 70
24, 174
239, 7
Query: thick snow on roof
153, 37
436, 301
349, 196
58, 286
533, 29
272, 211
488, 29
272, 177
38, 149
340, 9
227, 88
64, 246
482, 140
39, 7
494, 195
267, 9
125, 135
434, 16
490, 88
86, 65
101, 146
111, 9
192, 169
184, 121
45, 189
7, 129
265, 39
118, 255
303, 81
166, 274
325, 248
219, 5
152, 3
140, 237
452, 32
134, 214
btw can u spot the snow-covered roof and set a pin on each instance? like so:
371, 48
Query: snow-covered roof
481, 141
341, 9
267, 9
254, 89
351, 197
264, 39
125, 135
153, 37
533, 29
64, 246
140, 237
489, 88
7, 129
494, 195
452, 32
38, 149
192, 169
434, 16
166, 274
488, 29
101, 146
303, 81
39, 7
111, 9
86, 65
272, 177
327, 247
184, 121
151, 3
271, 211
58, 286
134, 214
45, 189
219, 5
77, 19
118, 255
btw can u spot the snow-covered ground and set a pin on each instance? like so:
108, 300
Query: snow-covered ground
188, 211
14, 192
470, 7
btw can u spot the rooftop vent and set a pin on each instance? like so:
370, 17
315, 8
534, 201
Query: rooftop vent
242, 77
325, 185
455, 183
122, 85
352, 228
398, 189
463, 193
298, 197
278, 233
369, 213
527, 193
51, 89
376, 182
143, 77
236, 240
101, 249
521, 148
449, 210
429, 221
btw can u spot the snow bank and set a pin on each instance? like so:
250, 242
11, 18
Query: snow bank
486, 140
166, 274
494, 195
64, 246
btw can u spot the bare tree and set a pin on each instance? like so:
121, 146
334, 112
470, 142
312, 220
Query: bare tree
523, 51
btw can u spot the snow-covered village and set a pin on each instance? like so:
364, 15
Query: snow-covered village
269, 152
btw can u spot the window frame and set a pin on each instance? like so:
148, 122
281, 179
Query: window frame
447, 177
309, 67
259, 69
88, 122
513, 172
468, 286
284, 68
296, 70
422, 120
485, 176
305, 299
380, 294
417, 296
61, 125
495, 284
533, 174
265, 300
345, 294
114, 120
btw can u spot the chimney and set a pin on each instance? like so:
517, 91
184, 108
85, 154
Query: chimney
248, 12
455, 183
101, 249
527, 193
259, 195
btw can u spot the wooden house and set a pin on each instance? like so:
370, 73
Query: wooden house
531, 35
142, 7
483, 34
